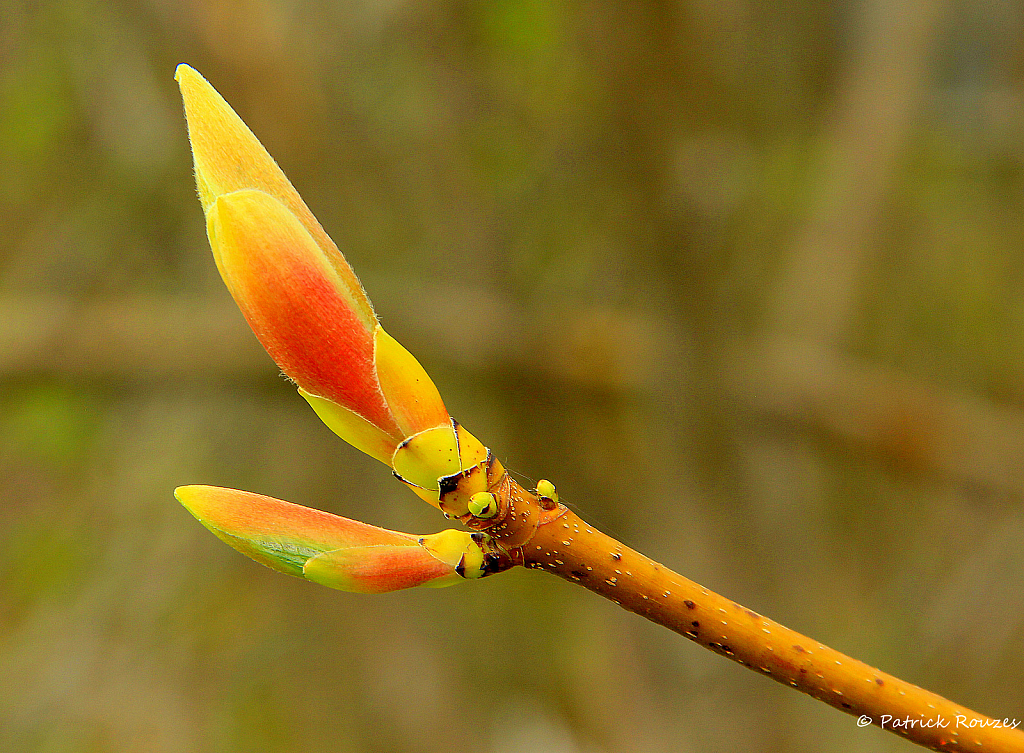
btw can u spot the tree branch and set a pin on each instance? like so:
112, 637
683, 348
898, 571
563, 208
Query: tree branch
540, 534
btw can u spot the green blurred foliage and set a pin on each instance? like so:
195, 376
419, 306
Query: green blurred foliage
575, 215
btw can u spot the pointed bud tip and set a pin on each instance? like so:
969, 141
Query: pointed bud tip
189, 78
191, 497
214, 506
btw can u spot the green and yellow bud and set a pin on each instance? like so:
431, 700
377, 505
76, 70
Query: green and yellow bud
297, 291
547, 490
335, 551
483, 505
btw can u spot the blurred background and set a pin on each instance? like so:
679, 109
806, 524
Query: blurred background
745, 280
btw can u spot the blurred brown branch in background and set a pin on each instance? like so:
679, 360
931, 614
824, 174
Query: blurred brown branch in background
818, 294
902, 420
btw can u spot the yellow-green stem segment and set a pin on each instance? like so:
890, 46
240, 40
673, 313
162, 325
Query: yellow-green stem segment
565, 545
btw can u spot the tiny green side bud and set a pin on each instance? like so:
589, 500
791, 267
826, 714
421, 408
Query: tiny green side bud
483, 505
546, 489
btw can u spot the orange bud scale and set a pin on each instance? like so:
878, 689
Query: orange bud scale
290, 299
378, 569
